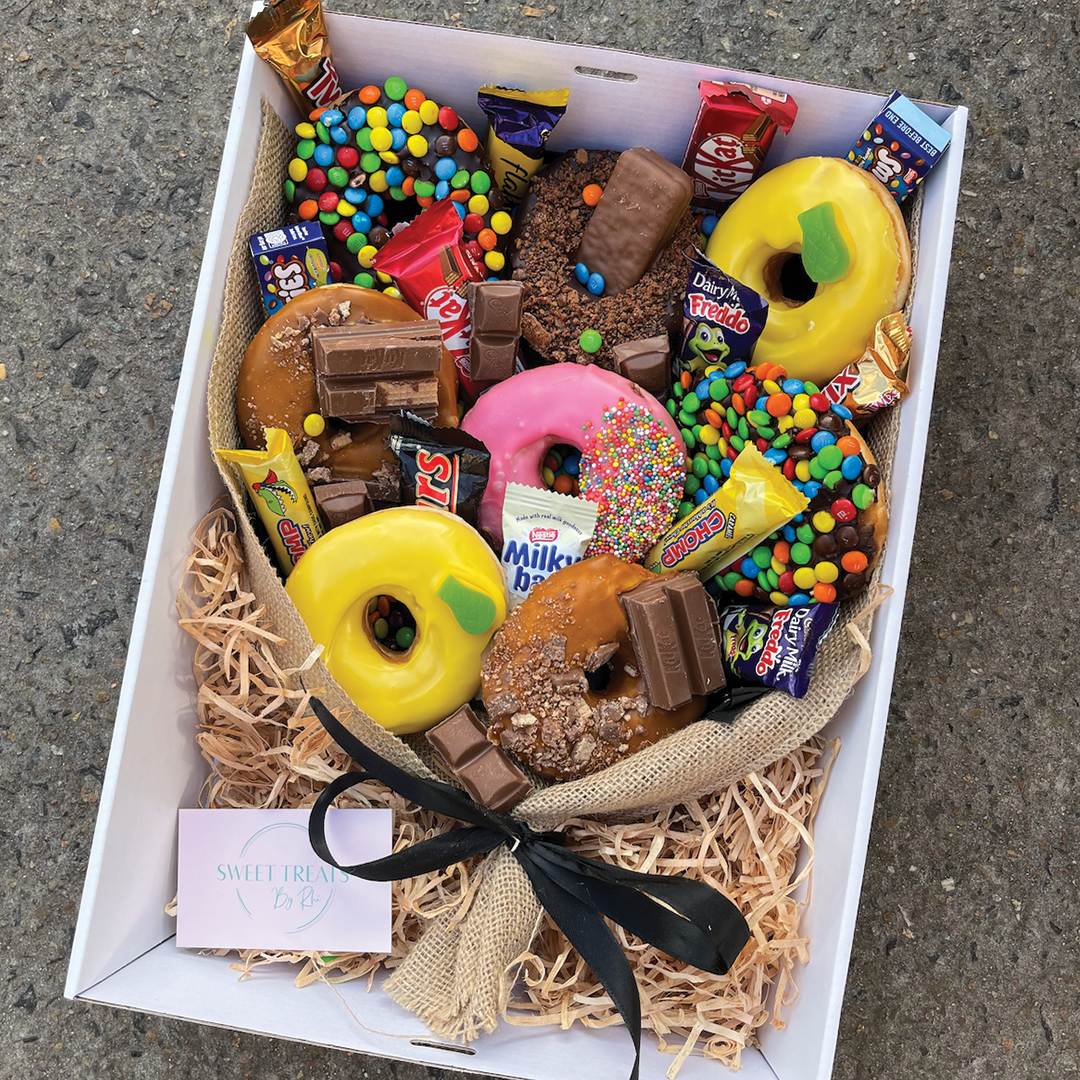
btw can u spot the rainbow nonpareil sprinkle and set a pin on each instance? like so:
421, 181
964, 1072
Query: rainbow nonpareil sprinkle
634, 469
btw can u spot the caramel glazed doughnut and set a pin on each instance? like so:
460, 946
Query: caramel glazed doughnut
276, 388
539, 673
557, 308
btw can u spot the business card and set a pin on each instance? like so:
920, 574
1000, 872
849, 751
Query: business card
249, 879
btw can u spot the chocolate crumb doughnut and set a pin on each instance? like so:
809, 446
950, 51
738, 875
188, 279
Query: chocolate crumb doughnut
539, 672
276, 388
547, 232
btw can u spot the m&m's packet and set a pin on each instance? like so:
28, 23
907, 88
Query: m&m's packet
775, 647
289, 261
722, 318
519, 124
900, 146
290, 35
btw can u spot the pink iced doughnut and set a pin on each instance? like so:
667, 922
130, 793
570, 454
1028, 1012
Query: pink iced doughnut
632, 455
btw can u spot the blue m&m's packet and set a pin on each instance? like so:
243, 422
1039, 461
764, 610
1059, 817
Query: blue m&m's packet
774, 646
900, 146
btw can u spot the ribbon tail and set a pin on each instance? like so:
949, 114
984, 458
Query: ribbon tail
586, 930
431, 794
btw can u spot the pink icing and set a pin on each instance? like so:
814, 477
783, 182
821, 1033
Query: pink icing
520, 419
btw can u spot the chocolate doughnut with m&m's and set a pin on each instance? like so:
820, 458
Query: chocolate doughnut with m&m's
827, 552
379, 157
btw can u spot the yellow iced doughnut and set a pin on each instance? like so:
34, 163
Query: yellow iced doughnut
442, 570
824, 243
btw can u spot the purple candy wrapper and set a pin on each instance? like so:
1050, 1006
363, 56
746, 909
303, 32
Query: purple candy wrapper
900, 146
722, 318
775, 647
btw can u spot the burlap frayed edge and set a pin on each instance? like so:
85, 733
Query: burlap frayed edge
265, 749
454, 978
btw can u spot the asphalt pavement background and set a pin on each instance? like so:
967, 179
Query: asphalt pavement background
966, 954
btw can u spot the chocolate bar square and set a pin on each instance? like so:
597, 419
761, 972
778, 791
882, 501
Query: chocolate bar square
343, 501
646, 362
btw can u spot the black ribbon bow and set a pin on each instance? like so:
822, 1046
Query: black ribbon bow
689, 920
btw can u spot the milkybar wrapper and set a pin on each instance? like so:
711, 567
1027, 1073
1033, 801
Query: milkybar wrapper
281, 496
877, 379
290, 35
543, 531
755, 500
519, 123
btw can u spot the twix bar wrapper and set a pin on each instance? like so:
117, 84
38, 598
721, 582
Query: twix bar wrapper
290, 35
735, 126
281, 495
877, 379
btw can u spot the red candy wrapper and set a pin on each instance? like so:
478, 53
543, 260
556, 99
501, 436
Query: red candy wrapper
735, 126
432, 268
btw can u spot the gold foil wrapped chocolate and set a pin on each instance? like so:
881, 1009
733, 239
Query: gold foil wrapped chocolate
877, 379
290, 35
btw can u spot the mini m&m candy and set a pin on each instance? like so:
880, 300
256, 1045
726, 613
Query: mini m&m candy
823, 555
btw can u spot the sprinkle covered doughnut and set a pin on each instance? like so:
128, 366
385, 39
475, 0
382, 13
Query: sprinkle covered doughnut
379, 157
558, 307
439, 568
824, 242
632, 457
536, 675
828, 551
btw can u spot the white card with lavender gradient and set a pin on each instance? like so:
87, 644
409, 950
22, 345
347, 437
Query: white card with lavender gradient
248, 879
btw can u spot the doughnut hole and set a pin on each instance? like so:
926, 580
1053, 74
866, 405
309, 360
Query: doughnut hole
391, 625
600, 679
786, 280
560, 469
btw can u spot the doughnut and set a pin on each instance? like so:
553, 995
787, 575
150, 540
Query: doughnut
817, 220
379, 157
442, 571
559, 308
828, 551
276, 384
632, 457
570, 634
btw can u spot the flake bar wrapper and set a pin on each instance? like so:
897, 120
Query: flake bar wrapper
900, 146
289, 261
755, 500
432, 268
775, 647
281, 496
735, 126
543, 531
722, 318
441, 467
290, 36
519, 123
877, 379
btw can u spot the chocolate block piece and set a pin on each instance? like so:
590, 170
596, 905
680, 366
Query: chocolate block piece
489, 776
698, 622
642, 205
647, 363
495, 311
369, 372
342, 502
675, 638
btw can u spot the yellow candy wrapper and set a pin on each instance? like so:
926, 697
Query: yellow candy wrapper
519, 123
755, 500
281, 496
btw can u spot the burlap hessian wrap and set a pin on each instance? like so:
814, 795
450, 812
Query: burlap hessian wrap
458, 977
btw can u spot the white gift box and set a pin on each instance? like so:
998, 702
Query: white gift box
123, 953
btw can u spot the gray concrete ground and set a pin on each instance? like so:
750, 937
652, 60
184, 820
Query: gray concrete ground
966, 954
